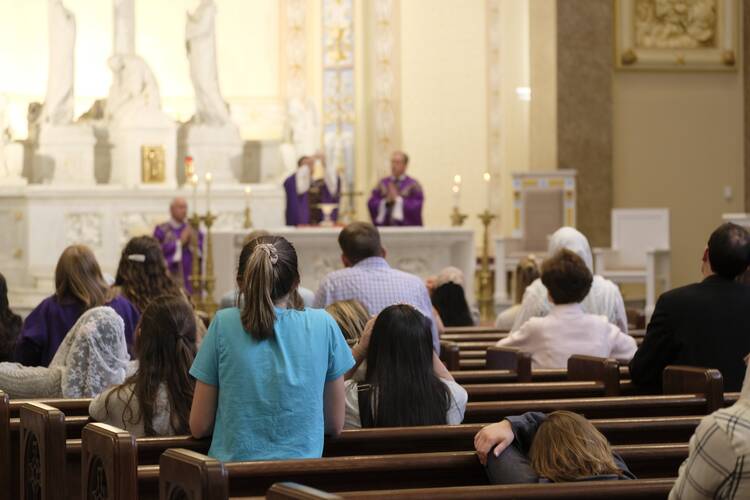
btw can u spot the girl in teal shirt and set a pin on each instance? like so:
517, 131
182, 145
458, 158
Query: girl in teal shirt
269, 380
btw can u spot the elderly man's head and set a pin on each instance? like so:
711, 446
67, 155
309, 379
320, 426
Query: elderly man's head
178, 209
399, 161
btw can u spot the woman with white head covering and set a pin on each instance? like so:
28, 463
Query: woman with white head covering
719, 453
92, 357
603, 299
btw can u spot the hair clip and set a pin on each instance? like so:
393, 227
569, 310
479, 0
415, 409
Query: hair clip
137, 257
270, 250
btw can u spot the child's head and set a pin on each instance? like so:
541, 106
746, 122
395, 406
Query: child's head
527, 271
566, 277
568, 447
351, 317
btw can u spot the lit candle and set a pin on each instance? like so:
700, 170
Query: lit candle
189, 171
247, 197
208, 191
456, 195
487, 179
194, 182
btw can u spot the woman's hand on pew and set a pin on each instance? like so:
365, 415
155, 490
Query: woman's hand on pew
499, 436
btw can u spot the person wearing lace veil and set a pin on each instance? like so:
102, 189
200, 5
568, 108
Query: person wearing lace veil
92, 357
604, 298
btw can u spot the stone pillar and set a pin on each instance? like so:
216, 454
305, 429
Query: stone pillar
584, 109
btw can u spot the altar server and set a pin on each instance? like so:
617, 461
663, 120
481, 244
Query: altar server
397, 199
176, 238
304, 192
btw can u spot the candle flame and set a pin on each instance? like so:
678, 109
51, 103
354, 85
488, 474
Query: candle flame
247, 190
194, 179
457, 179
487, 176
456, 189
208, 177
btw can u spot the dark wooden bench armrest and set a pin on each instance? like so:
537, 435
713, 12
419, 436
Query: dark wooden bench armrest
605, 370
450, 354
510, 358
692, 380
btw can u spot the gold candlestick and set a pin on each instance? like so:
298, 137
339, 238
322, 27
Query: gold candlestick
248, 219
195, 274
457, 218
209, 304
350, 214
486, 298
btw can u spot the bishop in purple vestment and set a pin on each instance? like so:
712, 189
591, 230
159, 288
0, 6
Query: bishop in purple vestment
302, 194
397, 200
176, 239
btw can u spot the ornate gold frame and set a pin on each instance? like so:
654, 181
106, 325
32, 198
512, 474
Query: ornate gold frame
722, 57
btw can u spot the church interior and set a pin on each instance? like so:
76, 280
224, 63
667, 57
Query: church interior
302, 196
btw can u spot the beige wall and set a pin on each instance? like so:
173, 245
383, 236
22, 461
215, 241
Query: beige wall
678, 140
443, 102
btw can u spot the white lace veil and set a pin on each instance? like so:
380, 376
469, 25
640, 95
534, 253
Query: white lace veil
93, 355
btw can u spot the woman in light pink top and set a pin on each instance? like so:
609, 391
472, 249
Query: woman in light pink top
567, 329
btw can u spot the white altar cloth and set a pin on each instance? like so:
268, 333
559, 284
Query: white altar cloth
420, 251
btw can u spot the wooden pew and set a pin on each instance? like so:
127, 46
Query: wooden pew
641, 489
687, 391
186, 474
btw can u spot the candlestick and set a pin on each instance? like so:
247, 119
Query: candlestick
487, 179
486, 293
248, 221
208, 192
194, 182
456, 196
209, 283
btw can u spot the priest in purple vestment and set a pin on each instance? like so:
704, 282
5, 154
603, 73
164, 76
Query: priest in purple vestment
304, 194
397, 199
176, 238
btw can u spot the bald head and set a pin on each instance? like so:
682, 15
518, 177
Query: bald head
178, 209
399, 161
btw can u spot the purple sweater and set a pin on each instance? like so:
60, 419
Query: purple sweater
47, 325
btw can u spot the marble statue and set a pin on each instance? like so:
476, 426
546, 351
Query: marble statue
301, 133
11, 153
59, 103
676, 24
123, 41
200, 42
134, 91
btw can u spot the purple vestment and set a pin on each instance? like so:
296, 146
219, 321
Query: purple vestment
180, 264
410, 191
46, 327
300, 207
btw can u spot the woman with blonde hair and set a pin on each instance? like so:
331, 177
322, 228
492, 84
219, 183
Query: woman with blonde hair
527, 271
351, 316
79, 286
537, 448
269, 378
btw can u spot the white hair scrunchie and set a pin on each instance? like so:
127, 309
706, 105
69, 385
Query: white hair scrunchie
271, 251
137, 257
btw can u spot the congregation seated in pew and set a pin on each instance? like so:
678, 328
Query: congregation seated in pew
405, 384
719, 450
79, 286
449, 299
156, 399
604, 298
704, 324
527, 271
568, 329
536, 448
91, 357
269, 379
10, 324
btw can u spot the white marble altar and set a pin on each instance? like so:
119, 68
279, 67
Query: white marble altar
420, 251
40, 221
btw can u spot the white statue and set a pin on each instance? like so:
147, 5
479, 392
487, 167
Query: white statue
200, 42
123, 41
302, 132
11, 154
59, 103
134, 92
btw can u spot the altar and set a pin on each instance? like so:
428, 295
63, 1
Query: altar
41, 221
420, 251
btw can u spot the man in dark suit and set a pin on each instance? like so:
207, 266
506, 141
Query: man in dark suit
705, 324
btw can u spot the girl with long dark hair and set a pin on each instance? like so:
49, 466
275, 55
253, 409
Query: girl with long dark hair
405, 385
155, 400
10, 324
269, 378
449, 300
